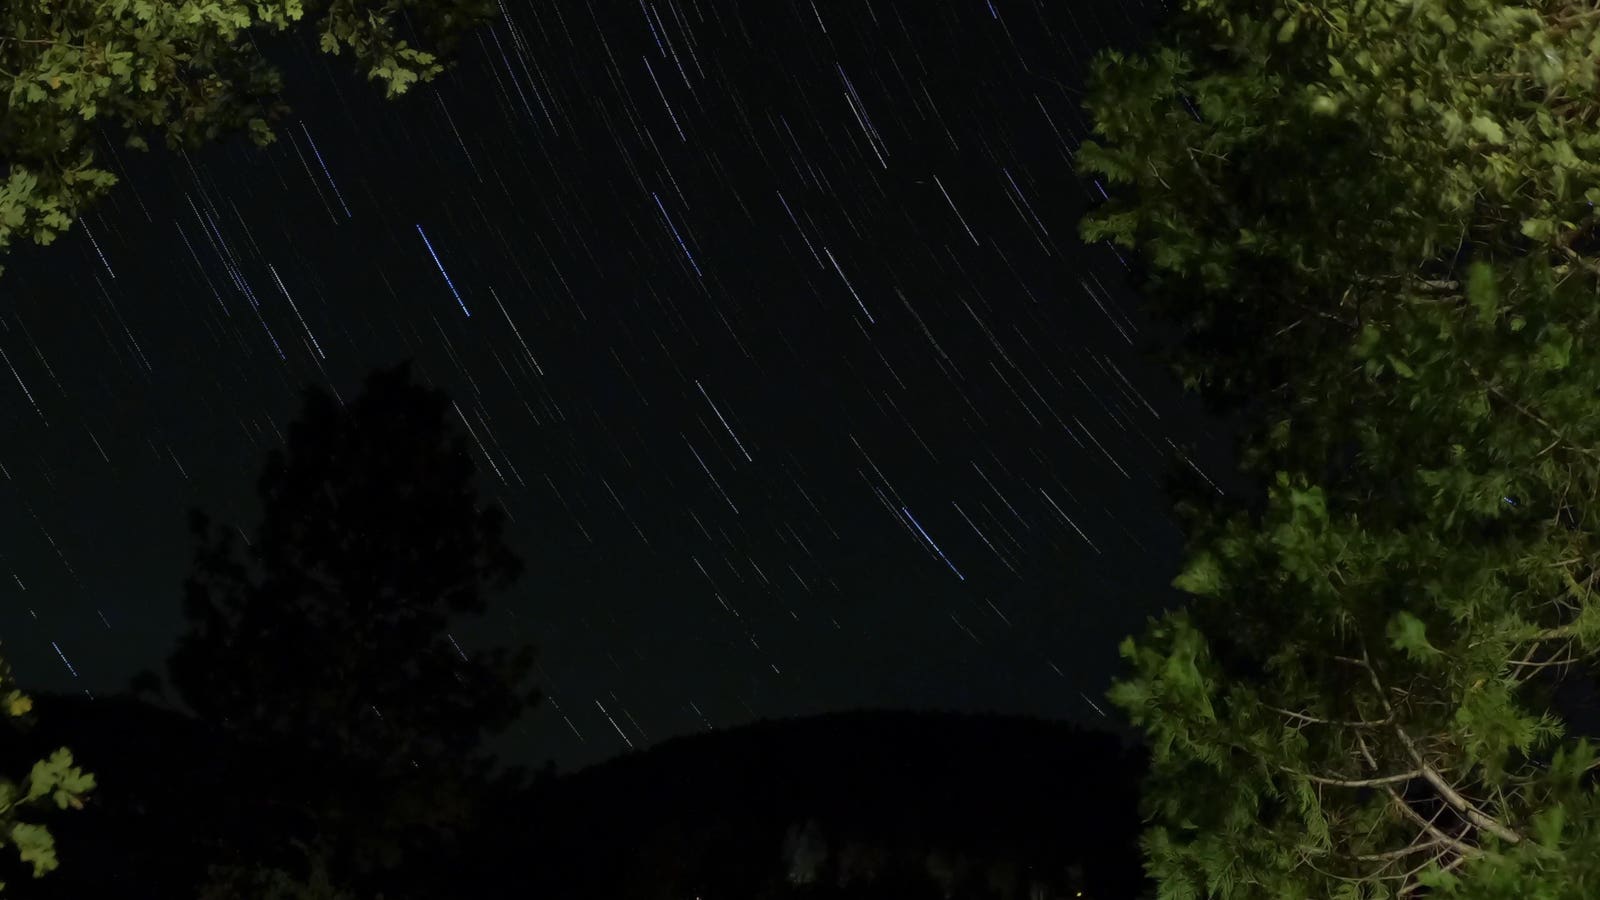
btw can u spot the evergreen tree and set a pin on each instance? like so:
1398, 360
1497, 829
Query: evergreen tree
1374, 221
191, 70
328, 634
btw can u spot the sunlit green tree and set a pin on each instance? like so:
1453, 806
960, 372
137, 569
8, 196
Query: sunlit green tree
189, 70
1373, 221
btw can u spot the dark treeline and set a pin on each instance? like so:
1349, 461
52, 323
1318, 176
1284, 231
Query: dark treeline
849, 804
861, 804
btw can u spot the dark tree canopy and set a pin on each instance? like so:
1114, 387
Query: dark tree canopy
330, 628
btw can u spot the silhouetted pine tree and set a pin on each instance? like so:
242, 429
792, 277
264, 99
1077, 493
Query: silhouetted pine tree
328, 632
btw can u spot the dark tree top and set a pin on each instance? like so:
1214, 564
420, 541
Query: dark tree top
332, 624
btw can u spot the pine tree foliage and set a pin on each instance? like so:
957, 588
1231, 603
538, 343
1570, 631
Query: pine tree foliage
1374, 221
74, 72
55, 781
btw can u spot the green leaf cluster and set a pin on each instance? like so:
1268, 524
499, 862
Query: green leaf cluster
55, 781
189, 70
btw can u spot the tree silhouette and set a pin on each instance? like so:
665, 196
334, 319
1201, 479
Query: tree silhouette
328, 633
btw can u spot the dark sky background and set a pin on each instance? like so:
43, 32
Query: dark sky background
769, 320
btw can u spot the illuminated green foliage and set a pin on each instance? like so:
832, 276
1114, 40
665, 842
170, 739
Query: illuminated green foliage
1373, 221
51, 782
189, 70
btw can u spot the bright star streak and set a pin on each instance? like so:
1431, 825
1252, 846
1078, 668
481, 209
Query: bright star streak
446, 275
932, 544
64, 659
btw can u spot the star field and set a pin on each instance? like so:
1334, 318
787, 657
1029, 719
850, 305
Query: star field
768, 322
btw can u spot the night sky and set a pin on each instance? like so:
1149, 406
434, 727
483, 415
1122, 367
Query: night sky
769, 321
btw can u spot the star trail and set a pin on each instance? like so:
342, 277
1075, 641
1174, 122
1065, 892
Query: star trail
767, 323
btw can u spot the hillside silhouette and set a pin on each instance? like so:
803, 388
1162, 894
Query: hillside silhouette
857, 804
713, 815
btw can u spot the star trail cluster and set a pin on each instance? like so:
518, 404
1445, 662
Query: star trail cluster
768, 323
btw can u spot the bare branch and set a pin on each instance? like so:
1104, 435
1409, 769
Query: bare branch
1349, 723
1401, 853
1431, 775
1359, 782
1415, 886
1531, 667
1405, 809
1305, 858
